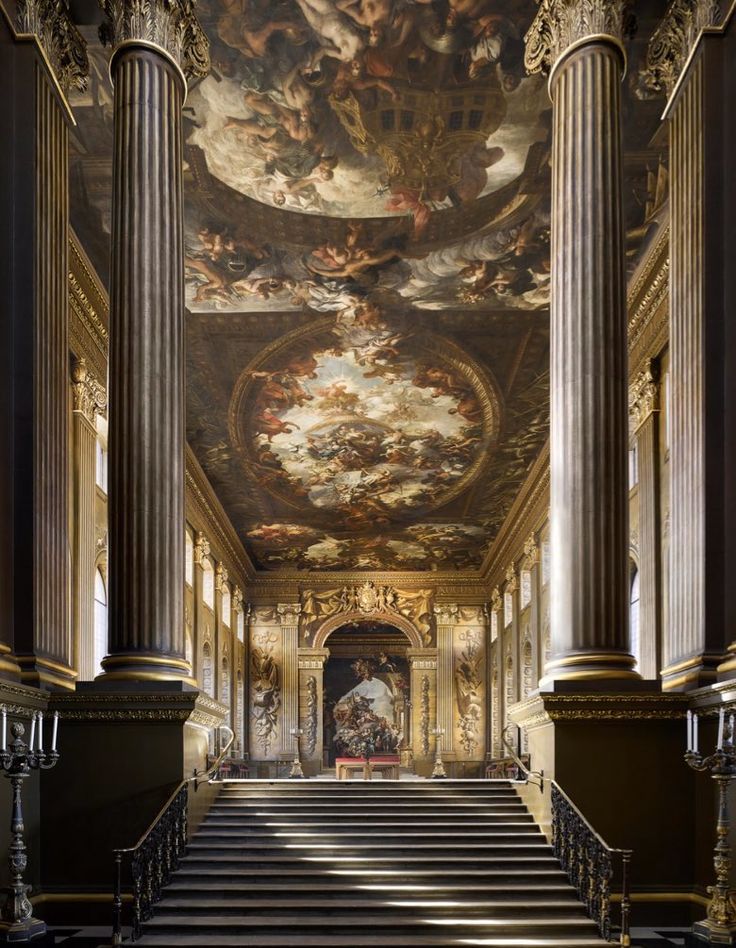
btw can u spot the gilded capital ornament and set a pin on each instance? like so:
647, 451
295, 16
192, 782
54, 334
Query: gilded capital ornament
89, 396
170, 25
65, 49
220, 577
496, 600
531, 550
288, 613
512, 580
237, 599
644, 395
201, 549
447, 613
559, 24
674, 39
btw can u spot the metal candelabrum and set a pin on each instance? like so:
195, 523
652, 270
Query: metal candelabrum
296, 772
719, 927
17, 923
438, 772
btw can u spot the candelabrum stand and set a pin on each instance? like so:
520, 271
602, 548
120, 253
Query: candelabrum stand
438, 772
719, 927
17, 923
296, 772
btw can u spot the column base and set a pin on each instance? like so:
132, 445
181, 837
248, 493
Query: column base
16, 933
695, 672
40, 672
709, 933
589, 664
145, 666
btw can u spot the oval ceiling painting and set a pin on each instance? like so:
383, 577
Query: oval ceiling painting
363, 108
365, 424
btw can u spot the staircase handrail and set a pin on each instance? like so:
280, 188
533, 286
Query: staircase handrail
531, 776
585, 857
157, 853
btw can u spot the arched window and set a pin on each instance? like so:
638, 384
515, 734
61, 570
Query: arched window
634, 636
225, 687
208, 584
239, 708
101, 454
240, 625
226, 600
526, 588
188, 558
100, 647
207, 669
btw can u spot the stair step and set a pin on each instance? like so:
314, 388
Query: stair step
364, 940
222, 888
388, 905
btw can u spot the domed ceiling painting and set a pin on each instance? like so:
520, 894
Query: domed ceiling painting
367, 273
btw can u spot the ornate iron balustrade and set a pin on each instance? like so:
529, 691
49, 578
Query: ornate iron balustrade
156, 855
587, 860
589, 864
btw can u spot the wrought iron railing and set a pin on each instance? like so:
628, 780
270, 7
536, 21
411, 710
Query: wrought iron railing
156, 855
588, 861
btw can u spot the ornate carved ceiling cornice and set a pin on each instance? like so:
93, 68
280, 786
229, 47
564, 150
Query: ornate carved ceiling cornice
206, 513
466, 588
89, 312
647, 300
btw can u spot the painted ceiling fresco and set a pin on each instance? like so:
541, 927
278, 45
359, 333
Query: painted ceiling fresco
367, 270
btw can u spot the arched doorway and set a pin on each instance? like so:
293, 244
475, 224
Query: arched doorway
366, 691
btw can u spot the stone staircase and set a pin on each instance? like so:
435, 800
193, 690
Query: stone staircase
356, 863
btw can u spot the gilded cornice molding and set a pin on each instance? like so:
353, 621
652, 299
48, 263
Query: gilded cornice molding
88, 394
170, 25
204, 510
561, 24
622, 706
674, 40
66, 51
644, 394
88, 311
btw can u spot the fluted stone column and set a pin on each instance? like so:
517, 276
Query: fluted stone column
697, 76
580, 43
42, 56
154, 47
644, 411
288, 614
89, 398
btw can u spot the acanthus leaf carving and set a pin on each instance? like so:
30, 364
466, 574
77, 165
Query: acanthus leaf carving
201, 549
560, 23
172, 25
65, 48
674, 39
644, 395
89, 396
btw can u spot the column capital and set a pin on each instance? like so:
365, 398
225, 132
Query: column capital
496, 600
644, 395
89, 395
221, 575
288, 613
62, 42
170, 26
201, 548
531, 550
447, 613
674, 39
562, 24
237, 599
512, 580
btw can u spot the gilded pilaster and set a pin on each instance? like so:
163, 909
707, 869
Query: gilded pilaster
156, 45
288, 614
447, 615
88, 400
580, 42
644, 413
